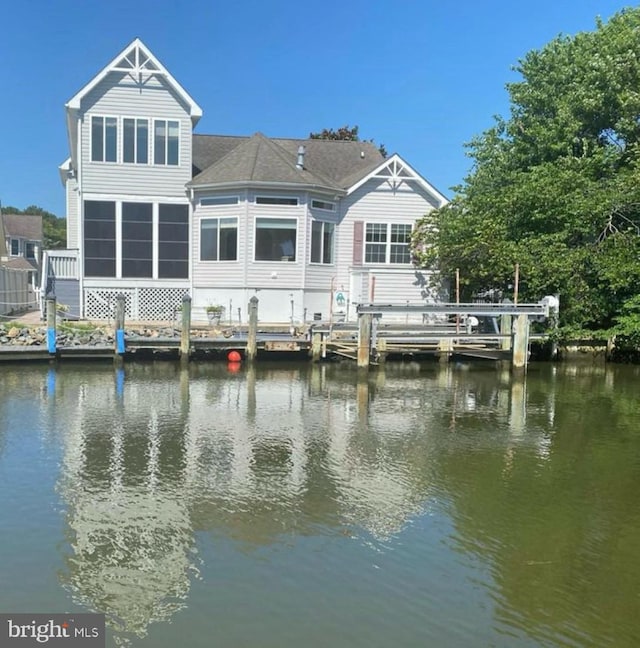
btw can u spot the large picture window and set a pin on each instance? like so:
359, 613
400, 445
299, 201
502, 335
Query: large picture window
104, 139
135, 141
275, 239
387, 243
99, 238
219, 239
166, 137
322, 242
137, 240
173, 241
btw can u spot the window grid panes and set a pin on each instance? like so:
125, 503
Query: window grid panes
135, 141
219, 239
322, 242
15, 247
387, 243
275, 239
400, 237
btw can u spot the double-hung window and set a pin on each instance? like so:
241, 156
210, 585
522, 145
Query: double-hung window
15, 247
219, 239
104, 139
135, 141
322, 242
387, 243
166, 138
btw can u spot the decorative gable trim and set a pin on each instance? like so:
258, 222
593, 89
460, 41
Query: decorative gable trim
140, 64
396, 172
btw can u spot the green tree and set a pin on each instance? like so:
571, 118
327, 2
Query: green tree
54, 229
349, 133
556, 186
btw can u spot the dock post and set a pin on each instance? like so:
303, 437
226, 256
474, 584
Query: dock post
316, 346
51, 324
520, 343
364, 339
119, 343
445, 349
185, 333
252, 334
382, 350
505, 329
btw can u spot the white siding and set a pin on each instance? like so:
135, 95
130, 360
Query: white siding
227, 274
71, 188
376, 202
118, 96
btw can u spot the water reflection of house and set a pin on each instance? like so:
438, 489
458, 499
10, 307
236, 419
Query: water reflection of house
258, 457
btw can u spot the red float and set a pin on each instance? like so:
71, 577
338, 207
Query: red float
234, 356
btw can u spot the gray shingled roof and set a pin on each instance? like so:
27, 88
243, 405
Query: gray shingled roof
19, 263
334, 164
25, 226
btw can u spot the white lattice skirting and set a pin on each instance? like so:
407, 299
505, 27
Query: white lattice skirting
142, 304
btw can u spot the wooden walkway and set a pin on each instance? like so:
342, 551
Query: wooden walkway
367, 342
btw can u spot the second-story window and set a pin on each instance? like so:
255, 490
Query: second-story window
135, 140
15, 247
166, 137
104, 139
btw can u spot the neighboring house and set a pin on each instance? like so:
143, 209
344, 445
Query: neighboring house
20, 252
312, 227
22, 243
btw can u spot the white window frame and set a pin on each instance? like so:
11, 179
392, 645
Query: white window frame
279, 205
104, 138
333, 243
387, 243
136, 119
219, 201
282, 259
166, 142
17, 243
218, 228
315, 202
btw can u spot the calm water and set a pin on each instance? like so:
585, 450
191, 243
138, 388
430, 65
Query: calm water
293, 506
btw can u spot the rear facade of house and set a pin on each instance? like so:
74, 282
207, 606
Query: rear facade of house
155, 212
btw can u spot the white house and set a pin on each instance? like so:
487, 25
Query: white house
154, 211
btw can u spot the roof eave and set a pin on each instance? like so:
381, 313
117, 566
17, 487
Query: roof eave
337, 191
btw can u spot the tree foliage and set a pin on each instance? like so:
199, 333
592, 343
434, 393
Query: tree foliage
556, 186
344, 133
54, 229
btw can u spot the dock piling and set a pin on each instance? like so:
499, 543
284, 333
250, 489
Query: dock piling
365, 321
185, 333
119, 343
520, 343
252, 334
51, 324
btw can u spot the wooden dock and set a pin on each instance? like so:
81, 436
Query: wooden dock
367, 342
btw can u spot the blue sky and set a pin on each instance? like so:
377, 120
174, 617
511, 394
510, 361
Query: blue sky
422, 77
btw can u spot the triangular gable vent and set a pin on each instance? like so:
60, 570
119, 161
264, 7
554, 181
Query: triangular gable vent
137, 64
395, 173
